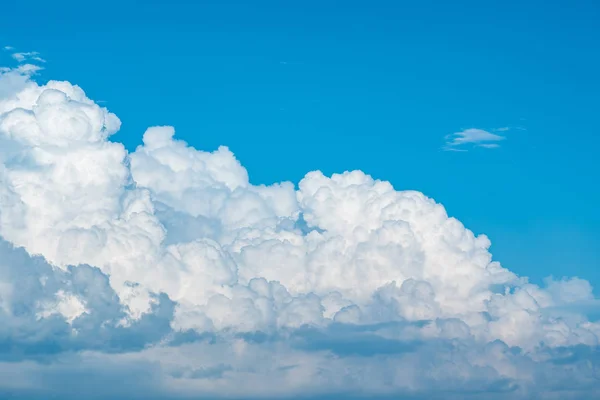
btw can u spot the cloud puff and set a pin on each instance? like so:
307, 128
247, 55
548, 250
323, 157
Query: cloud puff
167, 269
475, 137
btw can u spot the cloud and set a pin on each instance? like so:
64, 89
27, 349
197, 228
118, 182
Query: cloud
473, 136
165, 272
28, 69
8, 48
21, 70
27, 56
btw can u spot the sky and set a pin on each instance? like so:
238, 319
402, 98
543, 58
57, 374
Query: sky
163, 238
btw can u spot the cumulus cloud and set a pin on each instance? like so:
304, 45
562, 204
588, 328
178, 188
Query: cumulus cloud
474, 137
166, 268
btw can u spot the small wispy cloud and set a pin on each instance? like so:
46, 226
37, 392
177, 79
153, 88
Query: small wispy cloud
23, 69
488, 145
475, 137
28, 56
8, 48
28, 69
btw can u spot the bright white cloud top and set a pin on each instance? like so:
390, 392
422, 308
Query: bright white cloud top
167, 273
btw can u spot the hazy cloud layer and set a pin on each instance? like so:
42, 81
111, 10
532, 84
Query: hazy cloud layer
165, 272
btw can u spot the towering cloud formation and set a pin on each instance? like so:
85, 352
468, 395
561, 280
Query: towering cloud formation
342, 284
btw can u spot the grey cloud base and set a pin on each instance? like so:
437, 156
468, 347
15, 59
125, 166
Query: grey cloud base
164, 272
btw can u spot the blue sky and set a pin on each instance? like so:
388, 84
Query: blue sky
292, 87
191, 277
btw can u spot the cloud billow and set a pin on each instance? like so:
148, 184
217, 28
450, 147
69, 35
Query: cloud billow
165, 268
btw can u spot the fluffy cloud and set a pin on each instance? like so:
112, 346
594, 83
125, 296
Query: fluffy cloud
166, 268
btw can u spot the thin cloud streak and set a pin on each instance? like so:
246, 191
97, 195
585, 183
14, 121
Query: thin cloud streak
25, 56
475, 137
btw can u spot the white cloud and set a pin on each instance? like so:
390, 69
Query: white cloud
28, 69
341, 285
27, 56
473, 136
66, 304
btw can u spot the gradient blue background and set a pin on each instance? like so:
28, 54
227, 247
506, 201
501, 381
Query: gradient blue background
372, 85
